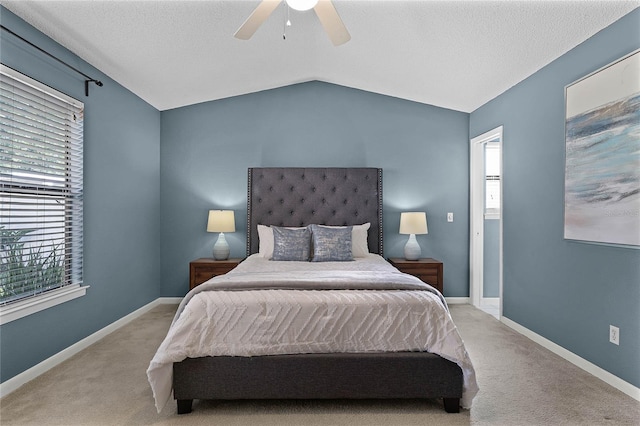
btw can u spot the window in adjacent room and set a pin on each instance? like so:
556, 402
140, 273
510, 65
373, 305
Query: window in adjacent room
492, 180
41, 192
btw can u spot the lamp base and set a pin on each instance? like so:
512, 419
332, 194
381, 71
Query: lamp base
221, 248
412, 249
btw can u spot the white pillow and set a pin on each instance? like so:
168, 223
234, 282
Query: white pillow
265, 239
359, 243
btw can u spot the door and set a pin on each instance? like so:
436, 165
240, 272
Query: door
486, 219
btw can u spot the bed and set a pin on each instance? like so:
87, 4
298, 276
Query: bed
298, 329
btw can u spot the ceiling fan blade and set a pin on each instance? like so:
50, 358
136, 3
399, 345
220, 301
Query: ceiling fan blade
257, 17
331, 22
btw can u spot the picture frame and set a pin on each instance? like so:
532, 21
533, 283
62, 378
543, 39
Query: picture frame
602, 155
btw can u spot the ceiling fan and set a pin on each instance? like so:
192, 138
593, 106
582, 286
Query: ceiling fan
325, 10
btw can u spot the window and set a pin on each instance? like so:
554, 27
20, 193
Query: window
41, 149
492, 180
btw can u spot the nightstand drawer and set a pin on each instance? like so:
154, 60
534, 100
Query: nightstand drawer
202, 274
428, 277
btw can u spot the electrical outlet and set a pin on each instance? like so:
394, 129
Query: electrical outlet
614, 335
449, 217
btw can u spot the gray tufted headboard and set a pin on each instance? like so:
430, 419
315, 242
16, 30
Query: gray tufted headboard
295, 196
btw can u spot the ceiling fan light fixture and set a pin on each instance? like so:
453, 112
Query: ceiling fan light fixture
302, 5
324, 9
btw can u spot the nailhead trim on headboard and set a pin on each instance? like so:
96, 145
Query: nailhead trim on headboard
295, 196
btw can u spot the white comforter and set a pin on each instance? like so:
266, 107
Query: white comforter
273, 312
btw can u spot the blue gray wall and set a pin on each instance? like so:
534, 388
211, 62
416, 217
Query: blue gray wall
566, 291
121, 205
207, 148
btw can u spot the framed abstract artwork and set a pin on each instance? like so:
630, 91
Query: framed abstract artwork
602, 155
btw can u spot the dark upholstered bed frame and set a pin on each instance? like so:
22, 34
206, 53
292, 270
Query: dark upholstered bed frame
298, 197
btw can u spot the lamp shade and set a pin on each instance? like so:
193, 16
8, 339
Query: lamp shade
413, 223
221, 221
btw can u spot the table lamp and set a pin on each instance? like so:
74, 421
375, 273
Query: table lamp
413, 223
221, 221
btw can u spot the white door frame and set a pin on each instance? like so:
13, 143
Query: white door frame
476, 247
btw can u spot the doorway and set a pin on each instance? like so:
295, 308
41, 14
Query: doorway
485, 254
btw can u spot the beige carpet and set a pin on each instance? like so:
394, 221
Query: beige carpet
520, 382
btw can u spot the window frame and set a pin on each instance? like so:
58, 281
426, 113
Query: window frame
73, 287
492, 213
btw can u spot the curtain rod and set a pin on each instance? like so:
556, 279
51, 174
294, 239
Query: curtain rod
87, 78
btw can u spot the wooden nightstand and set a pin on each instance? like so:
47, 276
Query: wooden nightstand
428, 270
200, 270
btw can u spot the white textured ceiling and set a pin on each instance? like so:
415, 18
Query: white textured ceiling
452, 54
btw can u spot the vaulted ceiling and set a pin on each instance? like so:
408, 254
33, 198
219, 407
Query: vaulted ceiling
453, 54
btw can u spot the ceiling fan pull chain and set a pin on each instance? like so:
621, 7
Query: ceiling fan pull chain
287, 22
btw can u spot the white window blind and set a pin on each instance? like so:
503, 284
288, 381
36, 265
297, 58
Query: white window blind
41, 193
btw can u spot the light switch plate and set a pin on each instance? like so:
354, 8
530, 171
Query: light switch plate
449, 217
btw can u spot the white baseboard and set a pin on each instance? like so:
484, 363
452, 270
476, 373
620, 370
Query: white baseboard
15, 382
490, 302
457, 300
169, 300
605, 376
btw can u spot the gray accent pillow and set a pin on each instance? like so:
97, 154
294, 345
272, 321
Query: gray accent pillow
331, 244
291, 244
